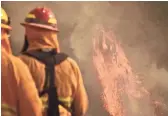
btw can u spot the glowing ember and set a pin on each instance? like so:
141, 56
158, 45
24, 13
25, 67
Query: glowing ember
123, 95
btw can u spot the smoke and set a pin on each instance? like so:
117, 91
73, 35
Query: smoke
140, 27
124, 94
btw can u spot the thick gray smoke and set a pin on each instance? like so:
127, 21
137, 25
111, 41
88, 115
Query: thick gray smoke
141, 27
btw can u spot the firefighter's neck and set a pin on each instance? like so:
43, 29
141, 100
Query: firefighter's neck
45, 43
5, 43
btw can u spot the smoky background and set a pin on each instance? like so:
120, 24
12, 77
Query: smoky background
141, 27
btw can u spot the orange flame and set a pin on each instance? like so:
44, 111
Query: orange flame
123, 92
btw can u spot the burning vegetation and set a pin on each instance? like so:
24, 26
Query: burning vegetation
123, 93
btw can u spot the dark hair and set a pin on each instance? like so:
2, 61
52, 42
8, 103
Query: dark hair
8, 23
25, 45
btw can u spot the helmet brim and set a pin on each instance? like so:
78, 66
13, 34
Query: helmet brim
40, 26
6, 27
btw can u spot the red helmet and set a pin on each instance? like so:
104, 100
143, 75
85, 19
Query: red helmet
41, 17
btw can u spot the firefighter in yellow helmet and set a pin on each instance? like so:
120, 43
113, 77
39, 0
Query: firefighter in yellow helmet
57, 76
19, 94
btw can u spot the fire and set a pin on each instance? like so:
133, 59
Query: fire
123, 94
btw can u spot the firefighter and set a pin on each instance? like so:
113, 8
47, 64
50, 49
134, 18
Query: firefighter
19, 94
40, 52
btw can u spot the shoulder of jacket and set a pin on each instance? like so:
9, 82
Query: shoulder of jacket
72, 62
15, 67
22, 56
16, 61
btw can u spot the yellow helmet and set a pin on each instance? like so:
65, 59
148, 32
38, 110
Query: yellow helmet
4, 20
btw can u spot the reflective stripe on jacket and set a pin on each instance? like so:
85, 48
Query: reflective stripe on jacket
68, 78
18, 88
8, 110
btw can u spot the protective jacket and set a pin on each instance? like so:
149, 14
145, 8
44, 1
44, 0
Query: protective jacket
19, 96
68, 79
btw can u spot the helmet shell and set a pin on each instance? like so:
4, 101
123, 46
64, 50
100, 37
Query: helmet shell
41, 17
5, 20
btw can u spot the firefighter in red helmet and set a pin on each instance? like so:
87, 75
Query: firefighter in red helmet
57, 76
19, 93
41, 17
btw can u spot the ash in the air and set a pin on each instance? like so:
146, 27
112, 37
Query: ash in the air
123, 93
